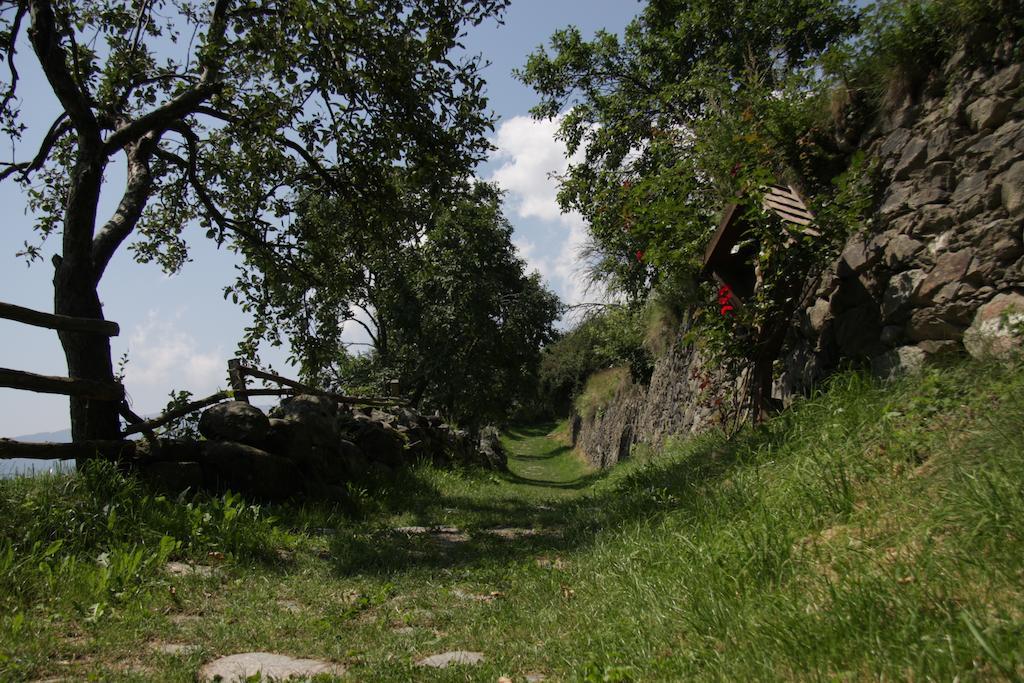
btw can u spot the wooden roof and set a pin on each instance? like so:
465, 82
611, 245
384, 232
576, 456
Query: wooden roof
783, 200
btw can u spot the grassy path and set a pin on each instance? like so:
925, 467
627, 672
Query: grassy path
873, 533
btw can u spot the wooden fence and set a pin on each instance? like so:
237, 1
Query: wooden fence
114, 391
67, 386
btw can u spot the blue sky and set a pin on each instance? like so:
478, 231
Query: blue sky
178, 332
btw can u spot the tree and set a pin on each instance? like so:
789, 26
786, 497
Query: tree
263, 100
448, 306
650, 181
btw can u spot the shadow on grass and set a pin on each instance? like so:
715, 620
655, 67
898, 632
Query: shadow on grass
563, 525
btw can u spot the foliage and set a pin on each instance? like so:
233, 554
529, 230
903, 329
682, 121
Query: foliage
184, 427
609, 337
649, 183
448, 306
600, 389
228, 114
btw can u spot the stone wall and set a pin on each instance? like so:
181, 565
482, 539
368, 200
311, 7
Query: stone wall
939, 269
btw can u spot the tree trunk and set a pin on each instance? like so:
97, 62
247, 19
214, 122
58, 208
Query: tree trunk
75, 282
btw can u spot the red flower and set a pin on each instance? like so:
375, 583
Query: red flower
639, 255
724, 297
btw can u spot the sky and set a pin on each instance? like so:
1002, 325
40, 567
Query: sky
177, 332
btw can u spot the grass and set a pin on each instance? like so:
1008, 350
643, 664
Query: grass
600, 390
875, 531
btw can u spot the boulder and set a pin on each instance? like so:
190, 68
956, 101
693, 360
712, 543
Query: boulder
902, 288
172, 476
239, 467
1012, 189
949, 267
927, 324
914, 155
998, 327
901, 361
380, 443
988, 112
235, 421
493, 452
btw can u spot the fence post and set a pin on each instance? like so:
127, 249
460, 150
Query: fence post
237, 376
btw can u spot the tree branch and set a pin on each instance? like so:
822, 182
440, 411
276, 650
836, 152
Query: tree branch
11, 45
306, 155
44, 37
57, 130
186, 102
129, 209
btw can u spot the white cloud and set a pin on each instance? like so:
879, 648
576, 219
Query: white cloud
530, 159
162, 357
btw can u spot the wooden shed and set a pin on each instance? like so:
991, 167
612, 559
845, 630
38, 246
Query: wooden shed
730, 255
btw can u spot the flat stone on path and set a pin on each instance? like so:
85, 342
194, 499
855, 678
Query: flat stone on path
446, 659
441, 535
174, 648
267, 665
183, 569
512, 533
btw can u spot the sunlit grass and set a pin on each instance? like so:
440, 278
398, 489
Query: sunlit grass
872, 532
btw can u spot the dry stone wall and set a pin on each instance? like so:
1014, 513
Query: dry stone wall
940, 268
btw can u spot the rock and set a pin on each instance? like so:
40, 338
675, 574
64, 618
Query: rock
446, 659
1006, 79
927, 324
901, 249
174, 648
935, 347
914, 155
902, 361
892, 335
1012, 189
976, 184
857, 331
949, 267
902, 288
815, 318
381, 444
935, 219
184, 569
896, 200
998, 240
235, 421
491, 450
265, 665
997, 328
858, 255
167, 475
243, 468
894, 142
939, 144
988, 112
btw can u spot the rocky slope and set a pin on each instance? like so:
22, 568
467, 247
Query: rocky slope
938, 270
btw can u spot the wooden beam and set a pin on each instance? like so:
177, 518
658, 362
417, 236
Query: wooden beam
68, 386
259, 374
236, 375
64, 451
66, 323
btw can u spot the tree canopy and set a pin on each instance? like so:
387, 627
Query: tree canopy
229, 113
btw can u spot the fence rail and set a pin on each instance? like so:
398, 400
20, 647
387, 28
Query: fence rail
68, 386
52, 321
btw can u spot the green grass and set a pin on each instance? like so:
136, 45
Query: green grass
600, 390
873, 532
